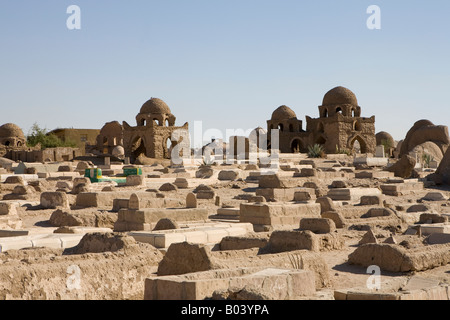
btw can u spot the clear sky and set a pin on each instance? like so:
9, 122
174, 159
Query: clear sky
228, 63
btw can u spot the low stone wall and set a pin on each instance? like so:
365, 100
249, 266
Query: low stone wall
395, 258
118, 275
274, 284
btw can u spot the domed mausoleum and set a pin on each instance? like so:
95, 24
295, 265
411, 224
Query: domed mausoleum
338, 127
11, 135
155, 134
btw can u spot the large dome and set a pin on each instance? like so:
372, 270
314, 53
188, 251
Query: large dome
155, 106
339, 95
283, 113
10, 130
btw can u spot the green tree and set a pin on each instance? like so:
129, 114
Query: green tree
47, 140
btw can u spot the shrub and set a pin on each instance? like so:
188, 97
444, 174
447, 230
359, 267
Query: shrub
316, 151
343, 151
41, 136
427, 158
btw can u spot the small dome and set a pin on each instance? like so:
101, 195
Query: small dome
10, 130
382, 135
283, 113
339, 95
155, 106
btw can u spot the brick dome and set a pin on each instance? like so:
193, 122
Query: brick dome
155, 106
339, 95
283, 113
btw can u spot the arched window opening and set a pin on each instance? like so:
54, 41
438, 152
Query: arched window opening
280, 127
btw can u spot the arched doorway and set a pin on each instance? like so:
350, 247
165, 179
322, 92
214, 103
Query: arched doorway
296, 146
358, 143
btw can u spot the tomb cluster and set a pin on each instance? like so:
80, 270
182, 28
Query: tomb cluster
132, 224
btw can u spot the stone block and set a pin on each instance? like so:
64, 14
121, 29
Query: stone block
306, 172
337, 218
205, 194
432, 218
15, 245
434, 196
229, 175
374, 175
371, 200
275, 214
8, 208
231, 212
277, 194
276, 284
204, 173
286, 240
378, 212
15, 180
326, 204
135, 180
120, 204
318, 225
53, 200
303, 196
54, 243
351, 194
191, 200
339, 184
168, 187
275, 181
134, 202
399, 189
181, 183
428, 229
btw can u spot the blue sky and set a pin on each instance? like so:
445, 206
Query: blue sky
226, 63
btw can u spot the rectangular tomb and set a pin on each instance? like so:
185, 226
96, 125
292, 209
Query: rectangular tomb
281, 194
352, 194
56, 241
374, 175
146, 219
401, 189
269, 214
277, 284
212, 234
